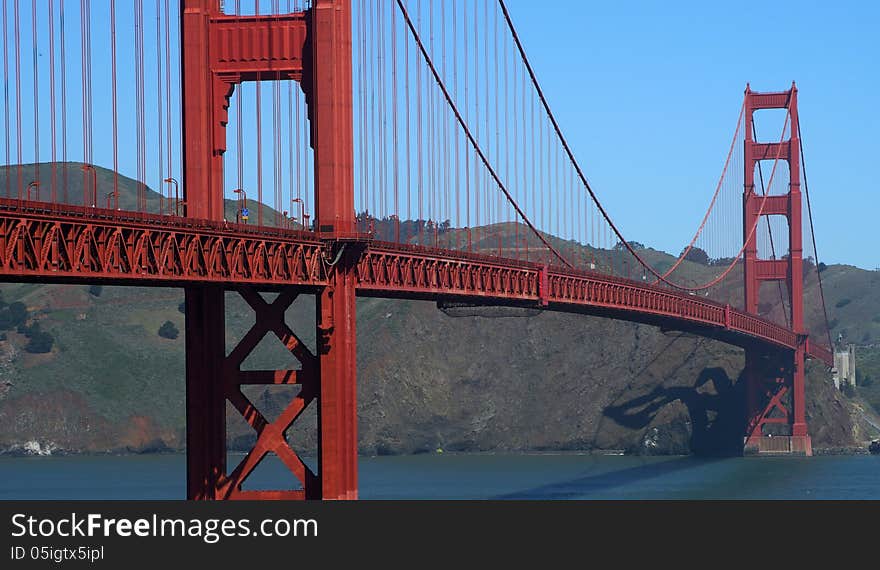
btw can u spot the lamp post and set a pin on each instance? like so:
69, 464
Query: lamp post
302, 211
396, 227
33, 185
241, 216
173, 180
90, 168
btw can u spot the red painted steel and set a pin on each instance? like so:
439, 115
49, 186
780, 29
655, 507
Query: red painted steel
213, 378
763, 409
58, 243
328, 90
217, 53
35, 239
314, 48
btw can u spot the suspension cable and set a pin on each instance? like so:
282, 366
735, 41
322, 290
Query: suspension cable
601, 209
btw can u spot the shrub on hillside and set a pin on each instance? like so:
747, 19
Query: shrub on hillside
696, 255
168, 330
39, 341
842, 303
96, 290
13, 316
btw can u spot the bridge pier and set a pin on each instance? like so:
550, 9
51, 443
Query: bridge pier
213, 378
775, 407
205, 400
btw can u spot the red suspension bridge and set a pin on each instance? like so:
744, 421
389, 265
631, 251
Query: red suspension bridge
418, 137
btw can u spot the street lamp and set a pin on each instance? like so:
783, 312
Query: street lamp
35, 185
241, 216
173, 180
302, 211
396, 227
90, 168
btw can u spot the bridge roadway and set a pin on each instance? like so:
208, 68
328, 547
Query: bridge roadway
59, 243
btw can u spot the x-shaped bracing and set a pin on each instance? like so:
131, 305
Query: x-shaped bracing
270, 435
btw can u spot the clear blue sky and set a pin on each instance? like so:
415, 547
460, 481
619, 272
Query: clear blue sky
648, 94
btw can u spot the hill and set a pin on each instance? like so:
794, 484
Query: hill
427, 379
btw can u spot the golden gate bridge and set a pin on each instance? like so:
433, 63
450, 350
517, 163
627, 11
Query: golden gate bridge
340, 149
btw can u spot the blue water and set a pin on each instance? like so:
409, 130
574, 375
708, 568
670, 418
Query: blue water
450, 476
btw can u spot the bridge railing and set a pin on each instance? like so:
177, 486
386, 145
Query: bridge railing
386, 267
52, 210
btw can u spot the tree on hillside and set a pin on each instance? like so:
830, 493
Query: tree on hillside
168, 330
39, 341
13, 316
696, 255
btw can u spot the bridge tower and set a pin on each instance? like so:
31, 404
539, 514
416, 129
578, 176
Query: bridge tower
775, 412
220, 52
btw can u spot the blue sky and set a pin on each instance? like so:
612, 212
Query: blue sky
648, 94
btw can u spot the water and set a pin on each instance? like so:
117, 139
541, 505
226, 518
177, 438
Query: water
450, 476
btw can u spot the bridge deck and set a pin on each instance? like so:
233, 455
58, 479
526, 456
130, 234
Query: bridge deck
75, 244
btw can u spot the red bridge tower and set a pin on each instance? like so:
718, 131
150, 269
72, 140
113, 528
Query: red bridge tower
775, 381
220, 52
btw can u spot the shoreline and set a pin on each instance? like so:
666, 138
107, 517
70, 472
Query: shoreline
23, 452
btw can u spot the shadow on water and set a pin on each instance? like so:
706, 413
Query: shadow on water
715, 405
582, 487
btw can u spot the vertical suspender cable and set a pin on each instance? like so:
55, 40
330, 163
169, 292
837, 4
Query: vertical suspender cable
114, 111
168, 140
395, 160
36, 95
6, 98
408, 162
18, 92
160, 138
239, 123
139, 104
52, 118
259, 164
467, 154
478, 186
292, 135
457, 180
